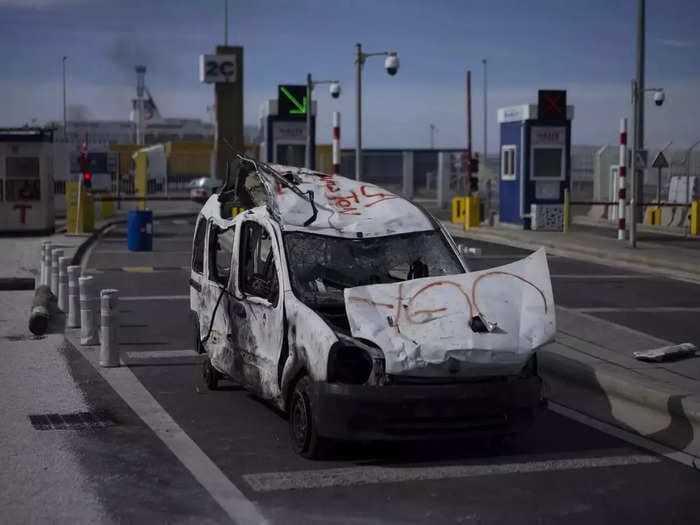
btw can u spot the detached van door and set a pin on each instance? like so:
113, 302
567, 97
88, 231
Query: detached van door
259, 315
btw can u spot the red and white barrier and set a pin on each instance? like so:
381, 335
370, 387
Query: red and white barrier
336, 143
622, 174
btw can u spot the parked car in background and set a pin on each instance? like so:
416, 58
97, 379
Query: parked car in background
202, 188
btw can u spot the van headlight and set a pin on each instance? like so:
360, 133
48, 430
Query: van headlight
355, 363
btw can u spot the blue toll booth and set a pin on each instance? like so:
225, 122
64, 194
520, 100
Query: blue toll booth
535, 165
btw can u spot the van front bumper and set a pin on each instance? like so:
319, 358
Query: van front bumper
403, 411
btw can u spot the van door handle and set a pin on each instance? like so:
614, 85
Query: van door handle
194, 284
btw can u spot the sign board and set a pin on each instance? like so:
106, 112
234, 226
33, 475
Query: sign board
291, 100
289, 132
551, 104
218, 68
660, 161
642, 156
548, 136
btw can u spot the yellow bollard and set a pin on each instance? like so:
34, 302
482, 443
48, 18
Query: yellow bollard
567, 211
472, 217
695, 218
141, 179
459, 206
86, 222
107, 206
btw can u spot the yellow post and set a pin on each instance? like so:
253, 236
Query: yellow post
695, 218
107, 206
85, 223
472, 212
567, 211
141, 179
458, 208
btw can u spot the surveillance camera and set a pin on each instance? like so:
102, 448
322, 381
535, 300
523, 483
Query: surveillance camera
659, 98
391, 64
335, 89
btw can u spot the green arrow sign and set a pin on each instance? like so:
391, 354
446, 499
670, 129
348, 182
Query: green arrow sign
289, 98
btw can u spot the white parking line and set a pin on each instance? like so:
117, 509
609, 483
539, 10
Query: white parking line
639, 309
225, 493
161, 354
344, 477
154, 298
602, 276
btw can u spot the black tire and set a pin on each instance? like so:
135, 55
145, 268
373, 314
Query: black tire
198, 346
302, 431
210, 375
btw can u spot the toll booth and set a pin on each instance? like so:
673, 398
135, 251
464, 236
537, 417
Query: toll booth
535, 164
26, 180
283, 129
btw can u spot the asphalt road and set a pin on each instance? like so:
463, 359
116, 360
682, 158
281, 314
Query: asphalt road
560, 472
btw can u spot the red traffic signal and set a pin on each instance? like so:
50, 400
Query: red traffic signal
87, 179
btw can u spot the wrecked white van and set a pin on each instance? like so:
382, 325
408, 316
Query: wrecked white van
351, 309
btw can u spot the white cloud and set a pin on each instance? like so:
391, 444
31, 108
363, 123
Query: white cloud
669, 42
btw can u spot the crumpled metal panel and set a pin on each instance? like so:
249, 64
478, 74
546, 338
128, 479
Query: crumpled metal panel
426, 322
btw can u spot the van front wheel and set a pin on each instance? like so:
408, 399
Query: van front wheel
305, 439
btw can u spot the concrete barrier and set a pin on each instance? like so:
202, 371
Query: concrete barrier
73, 297
109, 326
40, 310
88, 311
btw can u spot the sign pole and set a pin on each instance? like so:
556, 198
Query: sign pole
309, 89
469, 133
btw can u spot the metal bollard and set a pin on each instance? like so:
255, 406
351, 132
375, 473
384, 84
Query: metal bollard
109, 342
42, 266
55, 254
73, 297
63, 284
88, 311
47, 265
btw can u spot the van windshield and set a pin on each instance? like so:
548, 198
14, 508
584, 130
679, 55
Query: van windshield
322, 267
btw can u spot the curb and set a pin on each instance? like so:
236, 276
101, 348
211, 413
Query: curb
590, 255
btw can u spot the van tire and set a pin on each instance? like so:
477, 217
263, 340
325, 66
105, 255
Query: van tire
210, 375
302, 430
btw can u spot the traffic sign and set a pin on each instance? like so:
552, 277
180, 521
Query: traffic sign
660, 161
217, 68
551, 104
292, 101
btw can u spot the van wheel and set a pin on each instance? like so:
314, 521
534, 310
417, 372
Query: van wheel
198, 346
210, 374
305, 440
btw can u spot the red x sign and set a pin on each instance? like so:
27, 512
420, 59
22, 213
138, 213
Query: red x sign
551, 104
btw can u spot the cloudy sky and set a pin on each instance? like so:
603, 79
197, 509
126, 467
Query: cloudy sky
584, 46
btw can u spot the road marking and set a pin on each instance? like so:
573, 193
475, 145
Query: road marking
240, 509
638, 309
352, 476
138, 269
154, 297
181, 221
161, 354
634, 439
602, 276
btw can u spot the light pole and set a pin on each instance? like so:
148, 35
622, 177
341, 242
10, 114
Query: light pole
433, 129
65, 121
225, 22
687, 179
391, 64
140, 80
335, 93
486, 122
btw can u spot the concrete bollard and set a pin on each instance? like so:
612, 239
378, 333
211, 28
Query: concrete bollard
39, 313
55, 254
88, 311
42, 268
47, 265
63, 284
73, 297
109, 324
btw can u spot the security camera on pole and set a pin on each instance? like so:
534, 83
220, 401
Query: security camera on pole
391, 64
334, 90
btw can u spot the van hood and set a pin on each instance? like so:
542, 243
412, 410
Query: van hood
472, 324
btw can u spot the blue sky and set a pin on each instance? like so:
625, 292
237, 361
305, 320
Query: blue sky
584, 46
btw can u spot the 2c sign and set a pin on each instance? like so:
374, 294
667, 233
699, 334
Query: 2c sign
217, 68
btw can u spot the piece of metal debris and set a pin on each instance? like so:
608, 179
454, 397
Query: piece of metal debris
666, 353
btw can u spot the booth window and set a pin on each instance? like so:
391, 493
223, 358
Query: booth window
22, 181
508, 162
198, 247
220, 253
547, 163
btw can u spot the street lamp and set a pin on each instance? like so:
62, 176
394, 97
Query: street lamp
65, 121
391, 64
334, 90
687, 179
